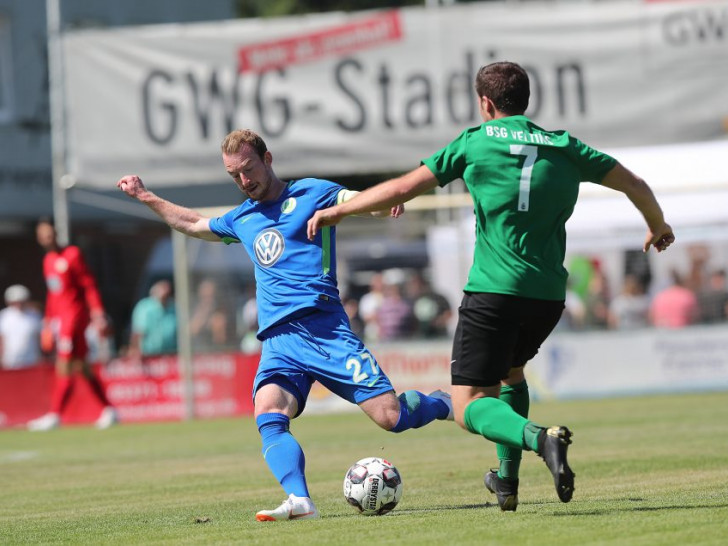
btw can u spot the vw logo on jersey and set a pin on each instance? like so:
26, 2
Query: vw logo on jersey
288, 205
269, 246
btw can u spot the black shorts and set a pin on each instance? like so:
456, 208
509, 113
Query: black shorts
497, 332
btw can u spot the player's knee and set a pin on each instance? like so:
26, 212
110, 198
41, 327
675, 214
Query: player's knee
271, 398
387, 417
384, 410
389, 420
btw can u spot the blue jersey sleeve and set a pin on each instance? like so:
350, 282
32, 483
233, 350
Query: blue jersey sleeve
223, 227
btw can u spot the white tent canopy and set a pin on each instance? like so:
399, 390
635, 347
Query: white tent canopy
690, 181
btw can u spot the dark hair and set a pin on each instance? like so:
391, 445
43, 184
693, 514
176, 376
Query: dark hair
506, 84
235, 140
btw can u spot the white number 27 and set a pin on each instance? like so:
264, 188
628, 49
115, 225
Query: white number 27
524, 189
358, 375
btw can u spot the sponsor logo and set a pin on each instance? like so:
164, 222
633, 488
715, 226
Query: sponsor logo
269, 246
288, 205
336, 41
61, 265
373, 493
54, 284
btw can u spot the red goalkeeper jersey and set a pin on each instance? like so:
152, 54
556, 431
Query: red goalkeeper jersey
72, 290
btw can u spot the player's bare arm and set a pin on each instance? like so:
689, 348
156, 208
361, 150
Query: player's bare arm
380, 197
659, 233
180, 218
393, 212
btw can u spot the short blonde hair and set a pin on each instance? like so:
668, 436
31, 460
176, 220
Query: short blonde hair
232, 143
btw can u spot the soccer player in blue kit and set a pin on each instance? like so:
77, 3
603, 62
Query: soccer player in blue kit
304, 329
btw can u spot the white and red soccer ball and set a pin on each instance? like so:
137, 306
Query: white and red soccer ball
373, 486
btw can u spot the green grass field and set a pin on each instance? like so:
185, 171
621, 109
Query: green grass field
649, 471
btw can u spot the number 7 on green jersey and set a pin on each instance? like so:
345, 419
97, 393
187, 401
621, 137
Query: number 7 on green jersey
524, 189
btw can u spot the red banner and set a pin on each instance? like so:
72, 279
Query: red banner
142, 390
375, 31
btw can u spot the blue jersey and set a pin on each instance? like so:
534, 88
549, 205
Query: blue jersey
293, 275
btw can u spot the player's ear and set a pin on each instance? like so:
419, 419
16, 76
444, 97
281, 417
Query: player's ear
268, 158
487, 108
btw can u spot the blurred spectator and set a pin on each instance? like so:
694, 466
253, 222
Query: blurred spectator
209, 320
637, 263
351, 306
713, 300
597, 299
101, 348
697, 278
630, 309
674, 307
154, 322
572, 319
20, 326
581, 269
249, 342
431, 310
369, 306
394, 316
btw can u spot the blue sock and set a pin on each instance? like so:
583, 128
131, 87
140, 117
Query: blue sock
417, 409
282, 453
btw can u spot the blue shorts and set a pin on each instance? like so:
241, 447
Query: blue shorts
320, 347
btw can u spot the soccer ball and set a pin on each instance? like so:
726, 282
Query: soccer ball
373, 486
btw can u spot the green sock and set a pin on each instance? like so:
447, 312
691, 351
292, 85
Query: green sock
530, 435
517, 397
495, 420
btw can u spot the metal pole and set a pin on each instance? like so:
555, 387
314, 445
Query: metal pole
182, 307
57, 114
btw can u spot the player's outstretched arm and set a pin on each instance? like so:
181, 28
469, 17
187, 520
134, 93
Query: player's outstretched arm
386, 195
182, 219
393, 212
659, 233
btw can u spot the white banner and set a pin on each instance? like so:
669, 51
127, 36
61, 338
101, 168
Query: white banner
641, 362
372, 91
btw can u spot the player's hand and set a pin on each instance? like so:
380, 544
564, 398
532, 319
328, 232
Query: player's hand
660, 238
47, 340
322, 218
101, 323
394, 212
131, 185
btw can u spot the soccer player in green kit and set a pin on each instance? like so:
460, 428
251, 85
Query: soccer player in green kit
524, 181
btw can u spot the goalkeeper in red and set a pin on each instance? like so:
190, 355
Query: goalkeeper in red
524, 181
73, 303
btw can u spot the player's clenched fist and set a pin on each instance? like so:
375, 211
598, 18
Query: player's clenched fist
131, 184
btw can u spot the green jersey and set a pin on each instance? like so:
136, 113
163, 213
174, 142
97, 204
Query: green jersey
524, 182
